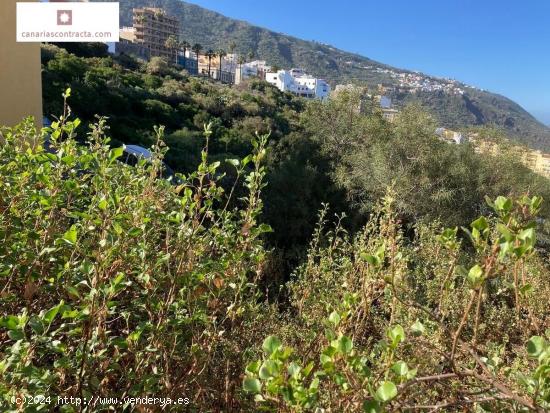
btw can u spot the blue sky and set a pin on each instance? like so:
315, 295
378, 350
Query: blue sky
502, 46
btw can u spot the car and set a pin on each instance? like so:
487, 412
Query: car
131, 156
133, 153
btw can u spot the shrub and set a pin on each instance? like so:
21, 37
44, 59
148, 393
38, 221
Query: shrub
384, 323
115, 282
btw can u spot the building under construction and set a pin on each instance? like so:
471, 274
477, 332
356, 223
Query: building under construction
152, 28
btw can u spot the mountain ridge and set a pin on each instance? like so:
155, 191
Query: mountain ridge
475, 107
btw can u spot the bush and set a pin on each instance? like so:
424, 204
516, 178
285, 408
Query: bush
383, 323
117, 283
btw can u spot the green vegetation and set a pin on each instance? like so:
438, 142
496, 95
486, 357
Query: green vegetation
475, 108
421, 284
319, 152
383, 323
116, 283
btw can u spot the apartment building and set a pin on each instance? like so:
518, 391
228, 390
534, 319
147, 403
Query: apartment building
20, 72
298, 82
152, 28
537, 161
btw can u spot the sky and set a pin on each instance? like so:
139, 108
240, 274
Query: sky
502, 46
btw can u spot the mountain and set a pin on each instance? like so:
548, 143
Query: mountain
466, 106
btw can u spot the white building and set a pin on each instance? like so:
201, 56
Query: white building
296, 81
257, 68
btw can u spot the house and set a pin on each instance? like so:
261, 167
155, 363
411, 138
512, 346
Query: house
189, 62
299, 83
257, 68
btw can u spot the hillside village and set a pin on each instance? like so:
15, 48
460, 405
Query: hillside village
416, 81
154, 33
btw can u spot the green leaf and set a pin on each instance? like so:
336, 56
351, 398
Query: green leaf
294, 370
52, 312
334, 318
314, 384
418, 328
246, 160
343, 344
253, 367
535, 346
526, 289
386, 391
396, 335
502, 204
271, 344
102, 204
309, 368
371, 259
268, 369
252, 385
264, 228
16, 335
505, 232
116, 153
10, 322
400, 368
475, 276
36, 325
480, 224
71, 235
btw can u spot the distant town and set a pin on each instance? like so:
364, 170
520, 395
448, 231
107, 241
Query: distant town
155, 34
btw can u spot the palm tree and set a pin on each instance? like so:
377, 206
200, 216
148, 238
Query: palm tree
172, 44
210, 54
221, 54
241, 60
197, 47
250, 55
184, 45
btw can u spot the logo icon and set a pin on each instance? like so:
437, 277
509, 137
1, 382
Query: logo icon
64, 17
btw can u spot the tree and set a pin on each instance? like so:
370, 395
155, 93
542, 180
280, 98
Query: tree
172, 44
221, 54
197, 47
241, 60
157, 66
210, 54
232, 47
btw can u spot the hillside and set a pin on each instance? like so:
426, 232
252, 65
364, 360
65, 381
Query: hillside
473, 108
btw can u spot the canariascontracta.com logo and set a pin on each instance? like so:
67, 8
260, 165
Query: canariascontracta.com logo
64, 17
69, 22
